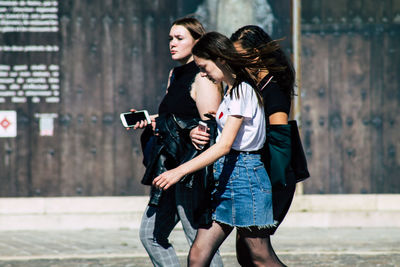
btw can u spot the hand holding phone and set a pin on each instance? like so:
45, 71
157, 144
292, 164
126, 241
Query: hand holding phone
129, 119
202, 128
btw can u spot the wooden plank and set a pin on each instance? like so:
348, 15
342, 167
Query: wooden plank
391, 111
376, 115
22, 151
87, 96
44, 152
315, 114
122, 145
73, 44
44, 157
128, 94
98, 100
355, 77
336, 120
142, 96
105, 183
148, 48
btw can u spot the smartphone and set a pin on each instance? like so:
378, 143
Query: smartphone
129, 119
203, 128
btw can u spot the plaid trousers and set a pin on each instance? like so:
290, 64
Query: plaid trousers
178, 203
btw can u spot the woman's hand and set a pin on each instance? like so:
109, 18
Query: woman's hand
142, 124
199, 138
167, 179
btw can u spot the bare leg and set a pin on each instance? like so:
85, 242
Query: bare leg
259, 249
207, 243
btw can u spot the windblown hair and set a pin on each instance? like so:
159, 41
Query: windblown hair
194, 26
214, 45
253, 38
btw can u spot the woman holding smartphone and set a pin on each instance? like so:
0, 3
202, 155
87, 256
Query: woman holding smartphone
189, 96
242, 197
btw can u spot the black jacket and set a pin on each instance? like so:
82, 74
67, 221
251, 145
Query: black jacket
170, 148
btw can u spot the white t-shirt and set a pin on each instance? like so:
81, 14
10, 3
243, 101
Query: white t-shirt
251, 135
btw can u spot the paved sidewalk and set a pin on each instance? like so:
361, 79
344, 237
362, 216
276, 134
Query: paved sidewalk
295, 246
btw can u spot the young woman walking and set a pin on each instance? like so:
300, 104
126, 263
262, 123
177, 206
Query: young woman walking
189, 96
242, 196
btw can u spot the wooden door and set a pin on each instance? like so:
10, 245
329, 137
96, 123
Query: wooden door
351, 95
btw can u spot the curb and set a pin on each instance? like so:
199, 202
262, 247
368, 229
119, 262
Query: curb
78, 213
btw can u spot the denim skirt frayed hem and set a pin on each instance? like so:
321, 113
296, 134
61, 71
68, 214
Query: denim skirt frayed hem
251, 227
242, 196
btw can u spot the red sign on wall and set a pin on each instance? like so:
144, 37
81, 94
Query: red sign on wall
8, 123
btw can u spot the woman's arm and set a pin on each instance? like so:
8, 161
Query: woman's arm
278, 118
206, 94
221, 148
208, 97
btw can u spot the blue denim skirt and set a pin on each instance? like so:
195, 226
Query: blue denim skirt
242, 195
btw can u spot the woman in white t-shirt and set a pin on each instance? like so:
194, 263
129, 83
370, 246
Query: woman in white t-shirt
242, 195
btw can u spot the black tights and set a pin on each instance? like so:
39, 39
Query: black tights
255, 246
207, 243
252, 250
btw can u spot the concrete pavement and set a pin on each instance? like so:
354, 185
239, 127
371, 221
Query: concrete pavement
319, 230
121, 247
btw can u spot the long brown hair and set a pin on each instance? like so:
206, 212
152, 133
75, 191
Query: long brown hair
214, 45
251, 38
